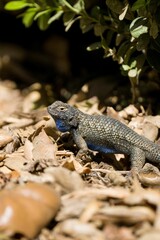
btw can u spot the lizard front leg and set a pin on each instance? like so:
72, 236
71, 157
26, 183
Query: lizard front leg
83, 152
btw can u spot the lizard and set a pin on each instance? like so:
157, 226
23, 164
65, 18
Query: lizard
104, 134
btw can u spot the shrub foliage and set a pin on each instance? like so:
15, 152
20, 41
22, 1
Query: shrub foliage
128, 31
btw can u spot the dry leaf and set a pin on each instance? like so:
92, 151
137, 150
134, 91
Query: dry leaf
150, 179
43, 149
90, 210
41, 153
18, 123
5, 138
68, 180
76, 202
124, 214
28, 148
136, 122
154, 234
27, 209
15, 163
5, 170
7, 94
116, 178
50, 128
73, 164
155, 120
114, 114
150, 131
140, 196
113, 232
131, 110
75, 228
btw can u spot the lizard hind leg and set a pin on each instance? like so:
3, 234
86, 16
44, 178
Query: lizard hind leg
137, 158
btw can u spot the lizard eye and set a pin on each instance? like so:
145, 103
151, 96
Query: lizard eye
62, 108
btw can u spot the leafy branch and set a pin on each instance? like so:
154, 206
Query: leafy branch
128, 32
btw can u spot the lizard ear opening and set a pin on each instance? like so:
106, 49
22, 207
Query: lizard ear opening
73, 121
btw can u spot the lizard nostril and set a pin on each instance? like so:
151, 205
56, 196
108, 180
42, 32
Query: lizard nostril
49, 108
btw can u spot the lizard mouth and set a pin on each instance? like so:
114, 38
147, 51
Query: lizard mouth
50, 110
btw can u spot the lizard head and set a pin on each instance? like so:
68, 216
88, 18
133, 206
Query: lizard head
64, 115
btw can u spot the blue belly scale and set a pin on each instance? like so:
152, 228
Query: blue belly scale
100, 148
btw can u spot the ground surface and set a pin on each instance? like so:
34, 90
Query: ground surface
96, 200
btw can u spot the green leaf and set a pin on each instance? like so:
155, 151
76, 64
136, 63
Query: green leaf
133, 64
71, 23
154, 29
68, 17
115, 6
79, 6
104, 43
140, 59
98, 29
94, 46
132, 73
17, 5
39, 14
128, 54
109, 38
55, 17
124, 11
130, 67
96, 12
28, 16
86, 24
138, 4
138, 27
125, 67
122, 50
69, 6
110, 52
43, 21
143, 42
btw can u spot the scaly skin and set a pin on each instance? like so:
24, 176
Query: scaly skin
104, 134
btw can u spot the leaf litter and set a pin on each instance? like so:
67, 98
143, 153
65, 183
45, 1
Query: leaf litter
44, 185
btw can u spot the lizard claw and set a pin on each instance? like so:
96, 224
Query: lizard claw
84, 155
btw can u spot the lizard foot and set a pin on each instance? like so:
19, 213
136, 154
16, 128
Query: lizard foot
84, 155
